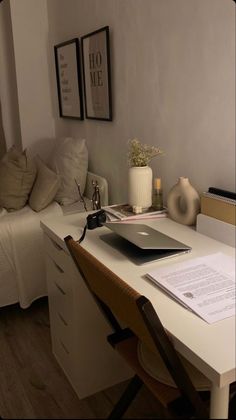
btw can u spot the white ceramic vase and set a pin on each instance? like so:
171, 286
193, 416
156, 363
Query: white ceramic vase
140, 186
183, 202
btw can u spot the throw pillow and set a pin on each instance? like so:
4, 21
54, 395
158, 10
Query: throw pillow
70, 160
45, 187
2, 212
17, 175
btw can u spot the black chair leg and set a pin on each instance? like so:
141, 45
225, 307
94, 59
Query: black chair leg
232, 407
126, 398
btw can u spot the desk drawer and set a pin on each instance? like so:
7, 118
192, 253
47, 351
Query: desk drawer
63, 356
60, 291
61, 258
57, 274
62, 329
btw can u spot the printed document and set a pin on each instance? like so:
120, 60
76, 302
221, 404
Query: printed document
205, 285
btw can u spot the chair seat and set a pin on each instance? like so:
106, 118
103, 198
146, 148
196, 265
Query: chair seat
153, 364
128, 350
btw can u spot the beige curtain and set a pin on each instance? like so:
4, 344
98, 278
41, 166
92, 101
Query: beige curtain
2, 136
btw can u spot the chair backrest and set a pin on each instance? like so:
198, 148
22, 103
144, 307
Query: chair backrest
121, 304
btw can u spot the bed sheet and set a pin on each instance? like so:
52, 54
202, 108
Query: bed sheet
22, 266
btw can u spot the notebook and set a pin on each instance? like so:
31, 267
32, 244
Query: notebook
141, 243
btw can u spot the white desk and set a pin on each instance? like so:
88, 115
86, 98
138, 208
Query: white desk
211, 348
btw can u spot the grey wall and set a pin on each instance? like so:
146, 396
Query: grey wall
8, 86
173, 85
30, 41
25, 90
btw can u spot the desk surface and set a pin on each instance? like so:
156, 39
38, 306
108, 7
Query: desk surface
211, 348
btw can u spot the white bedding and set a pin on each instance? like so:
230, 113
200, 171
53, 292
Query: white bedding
22, 268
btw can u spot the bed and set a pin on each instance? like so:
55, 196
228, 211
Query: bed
22, 269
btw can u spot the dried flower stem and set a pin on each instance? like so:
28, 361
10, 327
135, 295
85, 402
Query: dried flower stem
82, 200
140, 154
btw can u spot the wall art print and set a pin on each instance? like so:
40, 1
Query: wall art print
69, 85
97, 74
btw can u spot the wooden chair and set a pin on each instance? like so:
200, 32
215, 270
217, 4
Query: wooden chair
143, 342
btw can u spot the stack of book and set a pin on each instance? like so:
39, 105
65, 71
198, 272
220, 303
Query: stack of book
218, 215
221, 205
124, 212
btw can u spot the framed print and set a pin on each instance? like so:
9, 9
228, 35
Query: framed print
69, 86
97, 74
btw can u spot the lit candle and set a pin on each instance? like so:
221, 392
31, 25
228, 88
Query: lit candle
157, 183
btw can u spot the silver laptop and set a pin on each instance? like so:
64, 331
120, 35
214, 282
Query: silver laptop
141, 243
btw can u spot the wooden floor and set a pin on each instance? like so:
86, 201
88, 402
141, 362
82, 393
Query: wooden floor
32, 385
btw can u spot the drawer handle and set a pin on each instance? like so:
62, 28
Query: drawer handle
64, 347
60, 288
62, 319
56, 245
58, 267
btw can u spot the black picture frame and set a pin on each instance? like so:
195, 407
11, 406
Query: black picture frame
69, 84
97, 74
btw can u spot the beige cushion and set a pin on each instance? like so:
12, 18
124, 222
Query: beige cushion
70, 160
2, 212
45, 187
153, 364
17, 175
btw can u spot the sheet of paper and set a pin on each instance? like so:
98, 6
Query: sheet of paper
206, 285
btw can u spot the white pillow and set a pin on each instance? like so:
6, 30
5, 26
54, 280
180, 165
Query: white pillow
70, 160
45, 187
